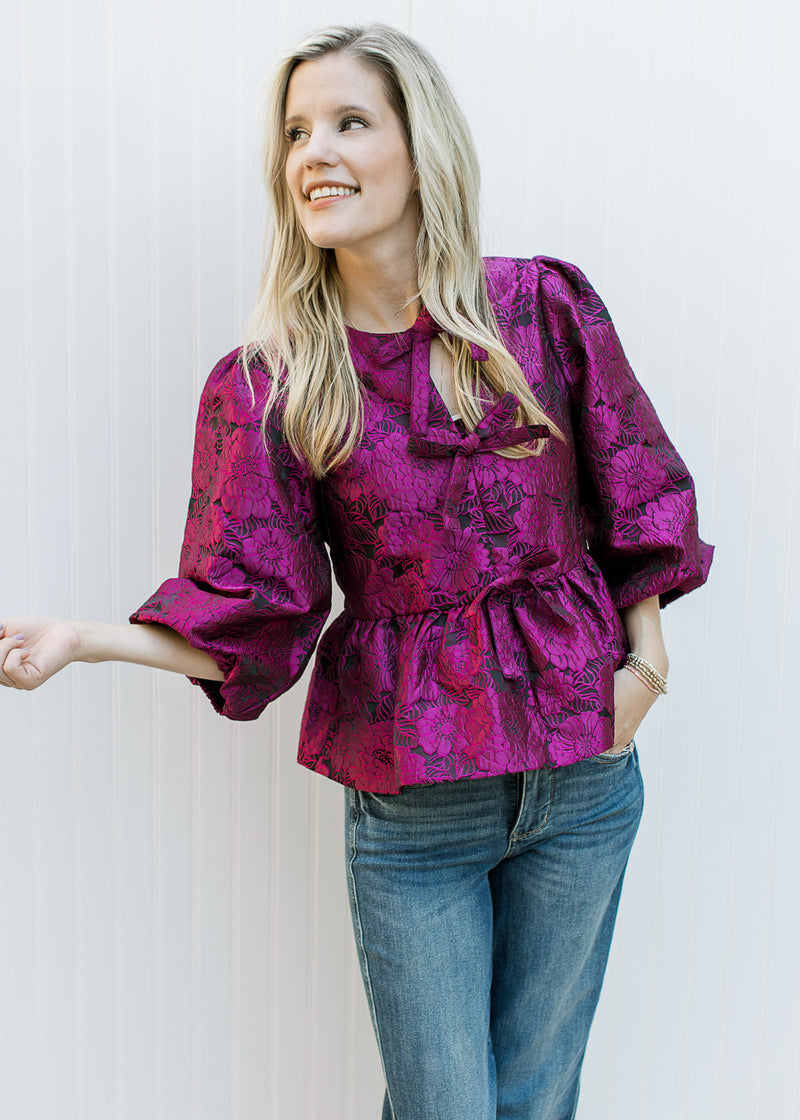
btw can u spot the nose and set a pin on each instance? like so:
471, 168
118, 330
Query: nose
319, 149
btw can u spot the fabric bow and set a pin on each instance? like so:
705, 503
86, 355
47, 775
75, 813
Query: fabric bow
461, 649
491, 434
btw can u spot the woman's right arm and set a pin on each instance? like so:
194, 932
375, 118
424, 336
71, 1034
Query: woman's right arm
33, 649
253, 588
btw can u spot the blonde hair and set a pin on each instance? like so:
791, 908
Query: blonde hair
297, 327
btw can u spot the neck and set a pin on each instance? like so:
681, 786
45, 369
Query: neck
378, 295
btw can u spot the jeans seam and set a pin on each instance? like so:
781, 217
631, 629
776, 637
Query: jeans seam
543, 825
532, 832
523, 777
360, 939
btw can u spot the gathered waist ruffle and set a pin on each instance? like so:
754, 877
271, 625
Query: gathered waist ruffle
518, 625
535, 568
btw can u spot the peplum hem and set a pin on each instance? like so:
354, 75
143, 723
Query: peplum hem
514, 679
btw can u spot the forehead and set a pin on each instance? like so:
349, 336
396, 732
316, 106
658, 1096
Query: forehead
334, 79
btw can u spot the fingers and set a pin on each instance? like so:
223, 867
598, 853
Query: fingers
12, 656
7, 641
16, 669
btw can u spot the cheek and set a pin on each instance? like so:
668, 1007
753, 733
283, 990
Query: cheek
289, 175
294, 184
399, 175
292, 172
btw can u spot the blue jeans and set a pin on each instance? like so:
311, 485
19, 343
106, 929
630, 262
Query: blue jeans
483, 912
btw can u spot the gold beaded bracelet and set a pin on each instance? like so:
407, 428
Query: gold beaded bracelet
646, 673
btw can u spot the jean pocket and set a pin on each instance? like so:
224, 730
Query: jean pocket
608, 758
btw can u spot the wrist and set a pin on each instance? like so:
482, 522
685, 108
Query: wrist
89, 641
646, 673
655, 654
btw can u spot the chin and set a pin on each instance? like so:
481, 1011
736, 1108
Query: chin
325, 243
323, 239
328, 241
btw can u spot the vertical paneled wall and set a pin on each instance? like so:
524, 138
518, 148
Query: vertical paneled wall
174, 937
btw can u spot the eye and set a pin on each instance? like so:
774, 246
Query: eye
293, 134
349, 123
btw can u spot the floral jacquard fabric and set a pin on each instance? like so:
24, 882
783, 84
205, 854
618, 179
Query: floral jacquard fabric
481, 630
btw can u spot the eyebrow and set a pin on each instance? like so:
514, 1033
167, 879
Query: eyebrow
336, 112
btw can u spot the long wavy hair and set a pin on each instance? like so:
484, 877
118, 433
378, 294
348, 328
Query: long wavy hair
297, 328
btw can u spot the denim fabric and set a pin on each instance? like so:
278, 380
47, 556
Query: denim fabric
483, 912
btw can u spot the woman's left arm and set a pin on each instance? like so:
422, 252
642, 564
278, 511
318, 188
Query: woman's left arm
632, 698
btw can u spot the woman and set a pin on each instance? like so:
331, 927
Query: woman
504, 514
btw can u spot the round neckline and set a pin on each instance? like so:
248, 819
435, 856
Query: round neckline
423, 317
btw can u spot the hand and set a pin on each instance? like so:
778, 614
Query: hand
33, 649
632, 701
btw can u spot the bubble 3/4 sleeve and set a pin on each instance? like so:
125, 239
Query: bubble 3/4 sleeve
254, 584
637, 495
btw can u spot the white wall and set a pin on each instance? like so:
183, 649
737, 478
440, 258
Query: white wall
174, 940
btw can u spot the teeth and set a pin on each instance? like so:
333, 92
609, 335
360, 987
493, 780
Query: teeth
326, 192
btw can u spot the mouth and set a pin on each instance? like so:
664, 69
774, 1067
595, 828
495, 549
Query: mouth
317, 194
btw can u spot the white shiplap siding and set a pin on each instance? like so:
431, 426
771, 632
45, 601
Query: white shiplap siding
174, 933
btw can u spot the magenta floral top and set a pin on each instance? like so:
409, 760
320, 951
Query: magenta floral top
480, 631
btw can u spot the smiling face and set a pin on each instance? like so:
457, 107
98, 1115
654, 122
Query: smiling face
347, 164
